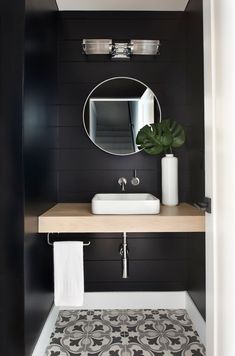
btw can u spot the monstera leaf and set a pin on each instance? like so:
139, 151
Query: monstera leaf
177, 132
160, 137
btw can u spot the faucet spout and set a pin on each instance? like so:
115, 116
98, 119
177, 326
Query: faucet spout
122, 182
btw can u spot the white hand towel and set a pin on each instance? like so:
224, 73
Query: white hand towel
68, 273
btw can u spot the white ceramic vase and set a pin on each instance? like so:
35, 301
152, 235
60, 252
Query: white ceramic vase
170, 180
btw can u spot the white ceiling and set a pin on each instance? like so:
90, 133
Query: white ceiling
122, 5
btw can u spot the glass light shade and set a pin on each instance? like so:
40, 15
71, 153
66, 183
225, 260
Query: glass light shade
145, 47
97, 46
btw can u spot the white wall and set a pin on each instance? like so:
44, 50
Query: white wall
209, 177
147, 107
224, 51
219, 18
92, 120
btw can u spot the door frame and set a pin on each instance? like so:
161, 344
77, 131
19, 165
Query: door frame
209, 110
219, 77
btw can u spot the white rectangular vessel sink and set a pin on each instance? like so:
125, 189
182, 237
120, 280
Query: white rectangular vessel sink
125, 203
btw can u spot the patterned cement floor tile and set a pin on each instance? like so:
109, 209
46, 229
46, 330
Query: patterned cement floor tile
159, 332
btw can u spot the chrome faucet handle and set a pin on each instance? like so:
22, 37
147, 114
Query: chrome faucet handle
135, 180
122, 182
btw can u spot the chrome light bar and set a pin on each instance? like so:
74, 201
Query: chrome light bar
120, 50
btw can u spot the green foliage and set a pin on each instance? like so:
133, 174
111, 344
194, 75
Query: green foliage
160, 137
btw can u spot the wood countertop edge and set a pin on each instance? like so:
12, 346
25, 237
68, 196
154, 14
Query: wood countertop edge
182, 221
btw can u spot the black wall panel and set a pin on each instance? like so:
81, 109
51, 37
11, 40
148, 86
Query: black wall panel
11, 179
195, 98
139, 271
40, 179
157, 262
165, 74
57, 162
196, 272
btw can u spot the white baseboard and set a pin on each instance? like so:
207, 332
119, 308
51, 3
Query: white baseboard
195, 316
45, 335
134, 300
128, 300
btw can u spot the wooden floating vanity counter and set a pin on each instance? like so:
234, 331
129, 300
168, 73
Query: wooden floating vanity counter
77, 217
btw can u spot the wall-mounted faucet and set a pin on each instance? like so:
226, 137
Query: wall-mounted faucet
122, 182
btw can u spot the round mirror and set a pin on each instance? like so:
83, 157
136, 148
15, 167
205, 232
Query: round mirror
116, 110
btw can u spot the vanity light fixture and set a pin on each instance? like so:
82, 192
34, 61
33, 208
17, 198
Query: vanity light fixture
121, 50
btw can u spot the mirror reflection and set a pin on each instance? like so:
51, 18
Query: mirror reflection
116, 110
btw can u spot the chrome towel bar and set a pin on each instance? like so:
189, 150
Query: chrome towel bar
51, 243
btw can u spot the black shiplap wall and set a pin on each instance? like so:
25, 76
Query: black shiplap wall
11, 179
83, 170
195, 98
40, 179
157, 262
